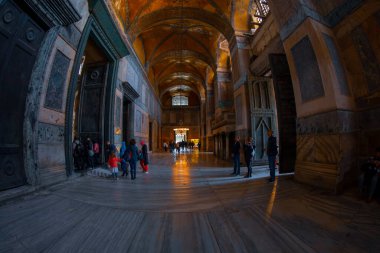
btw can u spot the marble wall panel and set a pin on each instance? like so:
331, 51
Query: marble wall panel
308, 71
305, 148
327, 148
118, 108
371, 65
51, 155
339, 70
329, 122
48, 133
138, 121
55, 90
239, 109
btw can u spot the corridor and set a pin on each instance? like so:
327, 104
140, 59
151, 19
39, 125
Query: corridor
188, 203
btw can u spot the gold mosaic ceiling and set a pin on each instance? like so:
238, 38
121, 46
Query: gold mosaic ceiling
178, 40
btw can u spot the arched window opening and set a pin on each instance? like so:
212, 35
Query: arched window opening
180, 100
259, 10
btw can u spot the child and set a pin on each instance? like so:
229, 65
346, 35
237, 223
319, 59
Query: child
112, 163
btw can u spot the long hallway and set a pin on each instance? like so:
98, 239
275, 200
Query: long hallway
187, 203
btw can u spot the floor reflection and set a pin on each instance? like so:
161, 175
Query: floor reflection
272, 198
181, 171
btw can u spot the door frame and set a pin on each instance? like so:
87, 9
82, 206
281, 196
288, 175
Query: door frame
94, 31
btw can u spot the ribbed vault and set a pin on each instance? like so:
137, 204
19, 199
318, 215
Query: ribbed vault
178, 41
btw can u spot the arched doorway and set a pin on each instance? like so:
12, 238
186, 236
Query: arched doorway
90, 104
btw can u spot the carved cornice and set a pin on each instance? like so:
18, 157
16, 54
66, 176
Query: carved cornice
129, 91
54, 12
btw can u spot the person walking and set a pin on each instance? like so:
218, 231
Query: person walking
133, 158
271, 153
249, 150
165, 146
144, 157
124, 156
236, 156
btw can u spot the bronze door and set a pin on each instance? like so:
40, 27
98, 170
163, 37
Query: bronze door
91, 120
20, 40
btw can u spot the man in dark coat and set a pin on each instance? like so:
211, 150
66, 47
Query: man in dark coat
236, 156
272, 153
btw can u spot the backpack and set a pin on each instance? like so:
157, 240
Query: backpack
96, 148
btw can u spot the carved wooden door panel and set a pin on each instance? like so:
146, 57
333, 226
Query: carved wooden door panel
20, 40
263, 115
286, 110
91, 119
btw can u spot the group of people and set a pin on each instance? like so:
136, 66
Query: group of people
86, 154
183, 145
249, 153
128, 157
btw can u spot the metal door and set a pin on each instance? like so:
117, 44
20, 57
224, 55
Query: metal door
20, 40
91, 110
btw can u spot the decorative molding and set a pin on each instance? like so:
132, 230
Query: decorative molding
129, 91
331, 20
48, 133
54, 12
328, 123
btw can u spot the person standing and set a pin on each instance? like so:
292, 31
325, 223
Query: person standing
112, 163
109, 148
97, 152
89, 153
236, 156
133, 158
144, 159
272, 153
165, 146
249, 149
78, 154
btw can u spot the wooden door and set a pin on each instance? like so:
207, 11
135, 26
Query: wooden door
20, 40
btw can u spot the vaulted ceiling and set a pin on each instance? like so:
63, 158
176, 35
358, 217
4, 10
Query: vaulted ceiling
178, 41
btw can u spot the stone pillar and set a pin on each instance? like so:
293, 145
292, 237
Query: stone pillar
240, 88
210, 112
325, 124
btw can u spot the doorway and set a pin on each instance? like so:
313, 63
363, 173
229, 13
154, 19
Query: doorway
89, 102
20, 40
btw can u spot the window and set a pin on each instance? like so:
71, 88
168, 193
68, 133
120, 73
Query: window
259, 10
180, 100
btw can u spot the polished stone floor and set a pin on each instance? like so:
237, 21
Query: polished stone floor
188, 203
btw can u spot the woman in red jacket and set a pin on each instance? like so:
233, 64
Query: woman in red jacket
112, 163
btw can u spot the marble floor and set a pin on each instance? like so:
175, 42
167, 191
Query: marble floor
188, 203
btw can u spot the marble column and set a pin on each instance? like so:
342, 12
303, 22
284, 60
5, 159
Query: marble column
325, 118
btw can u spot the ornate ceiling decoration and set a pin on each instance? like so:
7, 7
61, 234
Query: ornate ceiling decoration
178, 41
